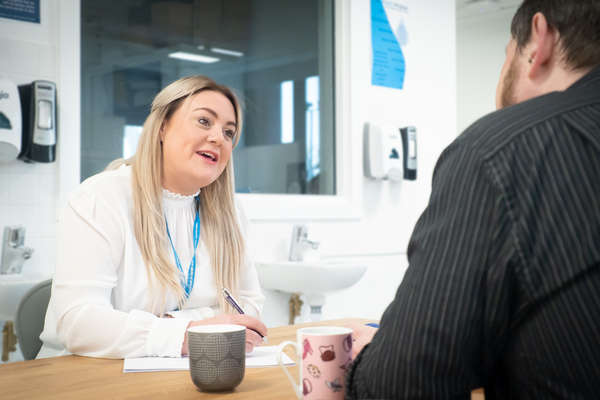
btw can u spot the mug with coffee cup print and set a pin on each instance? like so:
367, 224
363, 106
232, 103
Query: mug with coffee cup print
217, 356
324, 356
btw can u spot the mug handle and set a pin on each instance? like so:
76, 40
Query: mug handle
297, 387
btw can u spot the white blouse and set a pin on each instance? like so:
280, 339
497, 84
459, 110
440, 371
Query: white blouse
100, 304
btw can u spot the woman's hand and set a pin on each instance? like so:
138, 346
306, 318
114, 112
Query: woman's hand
254, 327
362, 335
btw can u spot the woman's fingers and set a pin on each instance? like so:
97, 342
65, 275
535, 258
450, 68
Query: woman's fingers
253, 337
252, 323
254, 328
249, 347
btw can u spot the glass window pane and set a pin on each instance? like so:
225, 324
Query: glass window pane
277, 55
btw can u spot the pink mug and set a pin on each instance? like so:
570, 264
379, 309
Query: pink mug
324, 355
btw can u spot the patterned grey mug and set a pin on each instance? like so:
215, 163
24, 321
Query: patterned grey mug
217, 356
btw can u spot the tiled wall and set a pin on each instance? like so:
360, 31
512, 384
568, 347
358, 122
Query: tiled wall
29, 191
28, 198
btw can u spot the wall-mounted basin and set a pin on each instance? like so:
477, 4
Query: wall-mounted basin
313, 279
12, 289
305, 277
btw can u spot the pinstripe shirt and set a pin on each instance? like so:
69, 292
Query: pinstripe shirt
503, 285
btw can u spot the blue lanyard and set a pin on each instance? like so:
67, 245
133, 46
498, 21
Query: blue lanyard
192, 270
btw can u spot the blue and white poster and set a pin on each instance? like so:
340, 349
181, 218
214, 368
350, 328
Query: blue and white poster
21, 10
388, 36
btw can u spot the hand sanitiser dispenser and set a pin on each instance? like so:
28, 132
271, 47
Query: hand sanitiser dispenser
10, 121
38, 101
390, 152
383, 153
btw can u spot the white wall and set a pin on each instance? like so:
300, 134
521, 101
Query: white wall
33, 194
389, 210
480, 55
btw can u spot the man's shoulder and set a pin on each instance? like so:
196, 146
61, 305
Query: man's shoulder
495, 131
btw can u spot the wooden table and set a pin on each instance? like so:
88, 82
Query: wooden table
74, 377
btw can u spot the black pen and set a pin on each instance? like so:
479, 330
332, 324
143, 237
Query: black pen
237, 307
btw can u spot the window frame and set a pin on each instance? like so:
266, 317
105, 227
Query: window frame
345, 204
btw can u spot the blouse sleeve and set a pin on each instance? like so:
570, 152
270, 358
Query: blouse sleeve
92, 238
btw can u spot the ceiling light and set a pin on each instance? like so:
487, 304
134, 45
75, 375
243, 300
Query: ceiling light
184, 55
227, 52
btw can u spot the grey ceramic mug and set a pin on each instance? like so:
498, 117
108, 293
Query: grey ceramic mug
217, 356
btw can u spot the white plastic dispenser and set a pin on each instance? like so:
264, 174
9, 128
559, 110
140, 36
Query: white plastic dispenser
383, 153
10, 121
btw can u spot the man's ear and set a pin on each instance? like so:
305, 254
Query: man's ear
544, 40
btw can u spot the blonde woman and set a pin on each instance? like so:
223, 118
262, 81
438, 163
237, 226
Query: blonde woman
145, 246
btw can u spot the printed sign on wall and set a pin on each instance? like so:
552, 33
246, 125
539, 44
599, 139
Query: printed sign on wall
22, 10
388, 35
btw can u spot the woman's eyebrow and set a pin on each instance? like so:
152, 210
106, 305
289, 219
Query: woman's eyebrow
214, 114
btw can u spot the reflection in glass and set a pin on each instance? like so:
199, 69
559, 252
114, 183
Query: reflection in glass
287, 112
131, 137
313, 134
277, 55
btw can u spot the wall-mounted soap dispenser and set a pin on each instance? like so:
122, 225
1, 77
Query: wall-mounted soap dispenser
390, 152
38, 101
10, 121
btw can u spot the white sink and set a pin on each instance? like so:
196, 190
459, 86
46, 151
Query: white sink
320, 277
12, 289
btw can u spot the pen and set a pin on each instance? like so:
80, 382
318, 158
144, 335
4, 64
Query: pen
235, 305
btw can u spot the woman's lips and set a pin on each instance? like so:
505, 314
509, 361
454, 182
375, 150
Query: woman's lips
209, 156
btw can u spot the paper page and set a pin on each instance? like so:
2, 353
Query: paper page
264, 356
261, 357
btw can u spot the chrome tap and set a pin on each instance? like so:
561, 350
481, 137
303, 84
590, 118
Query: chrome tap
14, 252
300, 242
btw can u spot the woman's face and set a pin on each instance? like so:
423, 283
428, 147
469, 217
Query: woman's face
197, 142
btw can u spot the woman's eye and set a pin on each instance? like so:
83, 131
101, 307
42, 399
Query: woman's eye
229, 133
204, 121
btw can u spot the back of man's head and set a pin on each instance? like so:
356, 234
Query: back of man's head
577, 22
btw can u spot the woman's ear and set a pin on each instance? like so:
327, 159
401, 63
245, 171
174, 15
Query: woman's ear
161, 132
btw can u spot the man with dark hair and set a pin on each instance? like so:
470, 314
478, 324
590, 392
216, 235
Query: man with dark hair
503, 287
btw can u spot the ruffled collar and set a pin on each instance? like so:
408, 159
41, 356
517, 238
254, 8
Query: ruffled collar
177, 196
178, 200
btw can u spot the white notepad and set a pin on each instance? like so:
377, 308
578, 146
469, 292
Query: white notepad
263, 356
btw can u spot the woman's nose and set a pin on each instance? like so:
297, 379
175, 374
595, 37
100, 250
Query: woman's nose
215, 135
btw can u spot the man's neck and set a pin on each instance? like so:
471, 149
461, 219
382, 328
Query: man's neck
558, 80
569, 77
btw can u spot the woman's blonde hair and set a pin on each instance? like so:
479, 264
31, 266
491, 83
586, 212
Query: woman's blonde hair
220, 228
